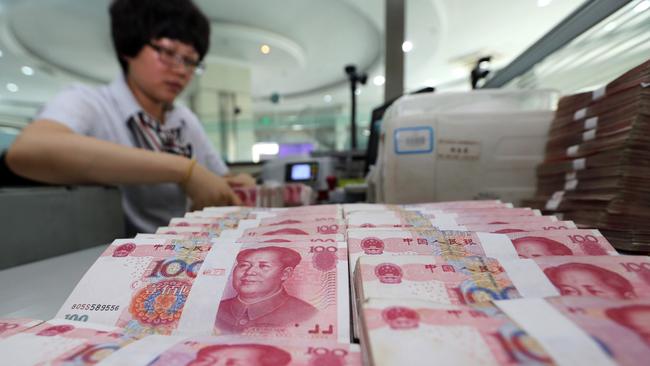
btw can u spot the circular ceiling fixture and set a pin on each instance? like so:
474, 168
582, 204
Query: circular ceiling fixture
265, 49
26, 70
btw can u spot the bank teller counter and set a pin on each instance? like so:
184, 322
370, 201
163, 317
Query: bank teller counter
40, 222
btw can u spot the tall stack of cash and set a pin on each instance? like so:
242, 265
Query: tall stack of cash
597, 165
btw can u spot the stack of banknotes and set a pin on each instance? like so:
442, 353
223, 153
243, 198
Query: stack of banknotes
597, 163
275, 195
450, 283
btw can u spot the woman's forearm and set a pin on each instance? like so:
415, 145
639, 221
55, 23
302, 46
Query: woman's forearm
50, 152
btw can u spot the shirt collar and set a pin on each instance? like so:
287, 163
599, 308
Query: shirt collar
261, 308
127, 105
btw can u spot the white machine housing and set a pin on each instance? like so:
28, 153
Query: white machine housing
462, 145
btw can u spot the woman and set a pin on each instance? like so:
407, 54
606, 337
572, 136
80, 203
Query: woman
129, 133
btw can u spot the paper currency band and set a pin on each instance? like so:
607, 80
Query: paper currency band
188, 175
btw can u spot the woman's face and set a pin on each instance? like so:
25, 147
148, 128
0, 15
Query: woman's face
157, 71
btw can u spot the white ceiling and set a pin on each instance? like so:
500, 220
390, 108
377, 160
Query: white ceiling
311, 41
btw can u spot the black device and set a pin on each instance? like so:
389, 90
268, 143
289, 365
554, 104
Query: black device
355, 78
301, 172
480, 71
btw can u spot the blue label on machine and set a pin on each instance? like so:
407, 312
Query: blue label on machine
413, 140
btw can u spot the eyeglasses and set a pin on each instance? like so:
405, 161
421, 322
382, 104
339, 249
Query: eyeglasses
171, 58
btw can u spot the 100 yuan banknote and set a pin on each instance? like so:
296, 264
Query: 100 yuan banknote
249, 232
233, 223
419, 333
190, 231
562, 331
63, 342
545, 243
580, 242
621, 325
610, 277
229, 350
148, 286
465, 280
141, 285
9, 327
451, 221
427, 242
519, 227
374, 219
204, 222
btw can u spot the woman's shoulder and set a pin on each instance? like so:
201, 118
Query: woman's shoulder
78, 93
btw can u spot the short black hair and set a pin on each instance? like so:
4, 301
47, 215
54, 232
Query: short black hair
134, 23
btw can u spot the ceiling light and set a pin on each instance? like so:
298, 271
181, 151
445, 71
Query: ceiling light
379, 80
357, 92
610, 26
0, 53
265, 49
407, 46
12, 87
327, 98
642, 6
297, 127
27, 70
543, 3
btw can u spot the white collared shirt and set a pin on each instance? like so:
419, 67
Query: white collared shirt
103, 112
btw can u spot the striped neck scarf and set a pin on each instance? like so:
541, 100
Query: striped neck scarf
149, 134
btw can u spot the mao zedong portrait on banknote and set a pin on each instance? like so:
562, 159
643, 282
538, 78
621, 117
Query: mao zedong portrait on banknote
241, 354
634, 317
262, 301
537, 246
584, 279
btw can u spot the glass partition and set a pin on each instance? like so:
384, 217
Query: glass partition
294, 135
615, 45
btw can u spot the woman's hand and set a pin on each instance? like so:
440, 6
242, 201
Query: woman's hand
242, 180
206, 189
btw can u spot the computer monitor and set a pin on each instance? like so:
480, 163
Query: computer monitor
302, 171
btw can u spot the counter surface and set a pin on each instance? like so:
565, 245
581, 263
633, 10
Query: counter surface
37, 290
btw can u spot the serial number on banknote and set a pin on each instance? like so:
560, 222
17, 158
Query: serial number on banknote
95, 307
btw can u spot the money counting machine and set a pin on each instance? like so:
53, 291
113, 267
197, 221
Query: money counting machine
462, 145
